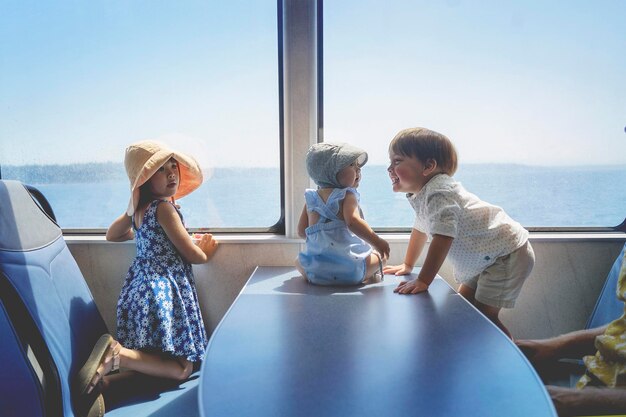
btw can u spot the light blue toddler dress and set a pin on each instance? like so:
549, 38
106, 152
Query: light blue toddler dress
158, 307
333, 254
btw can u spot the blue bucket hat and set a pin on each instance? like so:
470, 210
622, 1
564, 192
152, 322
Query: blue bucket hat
325, 160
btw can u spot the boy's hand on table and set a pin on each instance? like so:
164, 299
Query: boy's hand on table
413, 286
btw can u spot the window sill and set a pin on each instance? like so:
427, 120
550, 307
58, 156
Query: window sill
222, 238
390, 237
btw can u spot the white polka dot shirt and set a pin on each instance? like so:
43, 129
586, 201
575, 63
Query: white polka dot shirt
482, 232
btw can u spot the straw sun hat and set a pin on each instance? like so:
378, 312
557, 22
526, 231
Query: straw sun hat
144, 158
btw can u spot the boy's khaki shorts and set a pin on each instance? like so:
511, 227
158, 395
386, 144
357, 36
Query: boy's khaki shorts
500, 284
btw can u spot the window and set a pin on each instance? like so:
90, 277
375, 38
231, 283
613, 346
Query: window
531, 93
80, 81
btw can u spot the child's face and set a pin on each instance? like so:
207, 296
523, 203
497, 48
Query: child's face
408, 174
164, 183
350, 176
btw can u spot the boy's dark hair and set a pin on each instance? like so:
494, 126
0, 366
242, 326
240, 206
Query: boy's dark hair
425, 144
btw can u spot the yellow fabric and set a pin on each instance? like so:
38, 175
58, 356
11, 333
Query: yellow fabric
609, 362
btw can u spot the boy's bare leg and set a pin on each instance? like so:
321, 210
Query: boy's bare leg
492, 314
467, 292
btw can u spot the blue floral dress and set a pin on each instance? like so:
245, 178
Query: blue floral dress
158, 307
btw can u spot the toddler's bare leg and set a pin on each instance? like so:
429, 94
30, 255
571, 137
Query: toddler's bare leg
374, 262
300, 269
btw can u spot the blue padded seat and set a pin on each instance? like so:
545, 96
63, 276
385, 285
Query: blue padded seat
608, 307
37, 266
21, 391
144, 397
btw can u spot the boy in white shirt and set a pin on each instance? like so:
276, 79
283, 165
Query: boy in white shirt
489, 251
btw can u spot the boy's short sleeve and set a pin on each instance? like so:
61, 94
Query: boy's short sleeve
443, 214
417, 225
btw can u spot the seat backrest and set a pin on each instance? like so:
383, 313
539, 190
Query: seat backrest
20, 389
608, 307
36, 264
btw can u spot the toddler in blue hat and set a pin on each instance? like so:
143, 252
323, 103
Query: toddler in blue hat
339, 242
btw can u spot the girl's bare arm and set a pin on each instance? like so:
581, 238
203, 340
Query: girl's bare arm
168, 218
121, 229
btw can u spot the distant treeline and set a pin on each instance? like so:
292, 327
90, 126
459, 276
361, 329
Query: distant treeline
101, 172
71, 173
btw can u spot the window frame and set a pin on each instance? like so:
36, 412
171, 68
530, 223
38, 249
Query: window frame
290, 205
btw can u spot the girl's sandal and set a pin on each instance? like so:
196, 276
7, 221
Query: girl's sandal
97, 409
88, 373
90, 405
111, 363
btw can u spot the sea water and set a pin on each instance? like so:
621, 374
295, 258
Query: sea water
250, 197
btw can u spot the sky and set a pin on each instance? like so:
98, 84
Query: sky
530, 82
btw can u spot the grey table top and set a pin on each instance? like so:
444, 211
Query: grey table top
289, 348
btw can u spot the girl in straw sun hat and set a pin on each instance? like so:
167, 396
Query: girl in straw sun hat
160, 331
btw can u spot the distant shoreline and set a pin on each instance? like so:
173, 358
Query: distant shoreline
101, 172
535, 196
